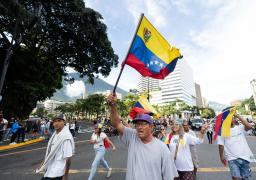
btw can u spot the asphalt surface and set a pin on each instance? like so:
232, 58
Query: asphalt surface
20, 163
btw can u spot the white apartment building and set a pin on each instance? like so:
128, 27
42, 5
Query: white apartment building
177, 85
149, 83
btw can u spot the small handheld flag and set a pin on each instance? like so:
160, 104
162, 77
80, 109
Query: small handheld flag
223, 123
142, 106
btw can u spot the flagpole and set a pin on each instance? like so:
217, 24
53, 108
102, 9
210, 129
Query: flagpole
123, 64
148, 90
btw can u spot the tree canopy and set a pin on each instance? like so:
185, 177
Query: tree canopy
59, 34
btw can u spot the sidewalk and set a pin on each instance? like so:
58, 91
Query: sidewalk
12, 146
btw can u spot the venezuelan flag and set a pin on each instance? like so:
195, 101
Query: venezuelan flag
150, 54
223, 123
142, 106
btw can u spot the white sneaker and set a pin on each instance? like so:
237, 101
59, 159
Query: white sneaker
12, 143
109, 172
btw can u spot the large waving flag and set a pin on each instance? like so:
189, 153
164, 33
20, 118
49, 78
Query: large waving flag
150, 54
223, 123
142, 106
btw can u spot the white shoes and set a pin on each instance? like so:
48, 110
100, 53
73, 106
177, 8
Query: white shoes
13, 143
109, 172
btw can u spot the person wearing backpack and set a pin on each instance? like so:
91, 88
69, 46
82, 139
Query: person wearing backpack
97, 139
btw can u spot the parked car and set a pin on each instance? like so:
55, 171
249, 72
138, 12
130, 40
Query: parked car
197, 124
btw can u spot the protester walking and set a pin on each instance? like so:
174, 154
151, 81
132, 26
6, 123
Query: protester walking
237, 152
72, 128
99, 140
147, 156
192, 147
59, 151
210, 133
180, 147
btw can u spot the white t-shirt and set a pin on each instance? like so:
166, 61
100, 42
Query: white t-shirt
57, 166
72, 126
151, 161
67, 125
43, 123
210, 129
183, 160
193, 151
236, 145
99, 139
5, 124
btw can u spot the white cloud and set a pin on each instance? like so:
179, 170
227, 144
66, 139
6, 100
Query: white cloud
216, 37
223, 63
70, 70
156, 11
75, 89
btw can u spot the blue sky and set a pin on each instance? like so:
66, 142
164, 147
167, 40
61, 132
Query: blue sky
216, 37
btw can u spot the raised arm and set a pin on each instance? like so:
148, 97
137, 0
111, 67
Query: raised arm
114, 115
247, 125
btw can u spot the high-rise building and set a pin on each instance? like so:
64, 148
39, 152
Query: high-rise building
148, 83
178, 85
199, 99
253, 83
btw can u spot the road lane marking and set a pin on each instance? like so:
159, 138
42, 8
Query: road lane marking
25, 151
123, 170
201, 170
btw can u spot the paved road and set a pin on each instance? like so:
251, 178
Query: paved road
19, 164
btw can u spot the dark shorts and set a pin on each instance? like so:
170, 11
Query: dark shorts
50, 178
240, 168
186, 175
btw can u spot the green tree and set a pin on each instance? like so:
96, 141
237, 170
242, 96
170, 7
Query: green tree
122, 108
40, 112
207, 113
129, 100
63, 33
29, 79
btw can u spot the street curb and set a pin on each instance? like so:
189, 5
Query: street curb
7, 147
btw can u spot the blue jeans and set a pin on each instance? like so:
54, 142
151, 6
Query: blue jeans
240, 168
99, 159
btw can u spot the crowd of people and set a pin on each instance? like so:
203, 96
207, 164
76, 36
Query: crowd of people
16, 130
162, 151
173, 154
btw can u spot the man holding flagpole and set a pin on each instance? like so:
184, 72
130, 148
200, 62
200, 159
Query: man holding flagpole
148, 157
237, 152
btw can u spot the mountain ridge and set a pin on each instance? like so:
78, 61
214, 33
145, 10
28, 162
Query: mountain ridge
99, 86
